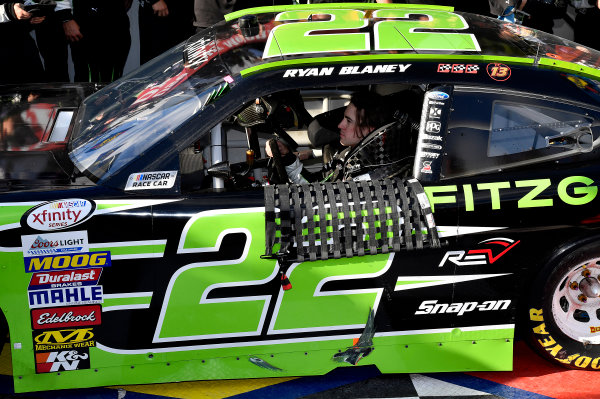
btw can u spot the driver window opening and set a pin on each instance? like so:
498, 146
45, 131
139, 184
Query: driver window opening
262, 141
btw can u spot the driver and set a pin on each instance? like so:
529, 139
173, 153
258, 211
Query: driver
365, 112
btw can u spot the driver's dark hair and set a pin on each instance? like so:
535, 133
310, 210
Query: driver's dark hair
371, 109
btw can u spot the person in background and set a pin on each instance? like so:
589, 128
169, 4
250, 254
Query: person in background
53, 44
209, 12
20, 57
586, 22
98, 32
163, 24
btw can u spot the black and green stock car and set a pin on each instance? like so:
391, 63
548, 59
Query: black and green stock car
143, 238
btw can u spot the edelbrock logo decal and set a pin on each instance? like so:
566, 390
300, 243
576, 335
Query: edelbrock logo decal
151, 180
438, 95
74, 316
55, 243
58, 215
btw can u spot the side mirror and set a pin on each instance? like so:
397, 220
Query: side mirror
580, 139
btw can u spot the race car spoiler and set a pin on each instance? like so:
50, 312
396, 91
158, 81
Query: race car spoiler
344, 219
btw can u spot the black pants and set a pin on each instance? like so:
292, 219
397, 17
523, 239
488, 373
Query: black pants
20, 57
53, 48
101, 55
158, 34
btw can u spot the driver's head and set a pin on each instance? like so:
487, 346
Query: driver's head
365, 112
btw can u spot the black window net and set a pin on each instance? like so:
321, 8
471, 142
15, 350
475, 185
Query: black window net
348, 218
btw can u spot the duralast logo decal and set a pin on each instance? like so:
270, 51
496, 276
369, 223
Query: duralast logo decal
48, 362
460, 308
73, 316
63, 339
67, 262
491, 250
63, 279
151, 180
346, 70
55, 243
57, 215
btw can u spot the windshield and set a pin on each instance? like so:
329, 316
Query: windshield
126, 118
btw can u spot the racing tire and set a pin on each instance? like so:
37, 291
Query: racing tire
563, 312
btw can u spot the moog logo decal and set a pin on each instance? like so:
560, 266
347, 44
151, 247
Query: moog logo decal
57, 215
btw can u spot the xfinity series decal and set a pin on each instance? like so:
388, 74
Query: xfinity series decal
57, 215
346, 70
151, 180
498, 247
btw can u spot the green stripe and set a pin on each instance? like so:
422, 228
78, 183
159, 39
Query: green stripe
570, 67
12, 214
333, 6
385, 57
134, 250
140, 300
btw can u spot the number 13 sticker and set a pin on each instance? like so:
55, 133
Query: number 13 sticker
499, 72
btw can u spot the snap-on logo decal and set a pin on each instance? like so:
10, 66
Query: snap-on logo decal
58, 215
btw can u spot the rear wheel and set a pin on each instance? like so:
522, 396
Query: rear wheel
564, 310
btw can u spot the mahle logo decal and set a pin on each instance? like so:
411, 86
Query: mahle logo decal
57, 215
492, 250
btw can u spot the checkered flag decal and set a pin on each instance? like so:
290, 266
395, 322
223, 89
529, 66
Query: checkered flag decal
444, 68
472, 68
345, 219
458, 68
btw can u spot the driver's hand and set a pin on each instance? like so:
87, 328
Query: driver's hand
282, 149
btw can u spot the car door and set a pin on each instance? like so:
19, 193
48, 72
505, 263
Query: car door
520, 167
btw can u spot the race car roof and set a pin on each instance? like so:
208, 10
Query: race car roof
298, 34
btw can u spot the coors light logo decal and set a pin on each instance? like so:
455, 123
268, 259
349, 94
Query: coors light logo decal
58, 215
